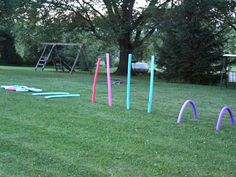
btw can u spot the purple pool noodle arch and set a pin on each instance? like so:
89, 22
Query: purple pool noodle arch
221, 115
186, 103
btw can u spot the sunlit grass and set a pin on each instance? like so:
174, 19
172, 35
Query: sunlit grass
72, 137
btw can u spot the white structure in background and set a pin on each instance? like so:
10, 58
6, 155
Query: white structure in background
231, 74
140, 67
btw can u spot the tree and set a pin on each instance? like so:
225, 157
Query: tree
7, 48
192, 43
225, 13
7, 40
117, 21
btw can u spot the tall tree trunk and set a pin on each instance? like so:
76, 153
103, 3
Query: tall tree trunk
125, 49
8, 51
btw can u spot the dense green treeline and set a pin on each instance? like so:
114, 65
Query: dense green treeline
188, 37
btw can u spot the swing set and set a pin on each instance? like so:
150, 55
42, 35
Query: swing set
60, 64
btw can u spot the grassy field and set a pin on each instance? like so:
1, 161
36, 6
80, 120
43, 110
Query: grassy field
70, 137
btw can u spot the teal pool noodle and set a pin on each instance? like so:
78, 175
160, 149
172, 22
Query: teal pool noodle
151, 85
50, 93
61, 96
128, 82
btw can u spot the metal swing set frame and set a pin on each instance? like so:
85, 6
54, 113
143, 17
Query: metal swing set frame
47, 51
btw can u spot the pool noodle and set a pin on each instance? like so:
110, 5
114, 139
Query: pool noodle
50, 93
128, 82
108, 80
151, 85
61, 96
95, 80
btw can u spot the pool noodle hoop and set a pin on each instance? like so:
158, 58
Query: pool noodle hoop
221, 115
186, 103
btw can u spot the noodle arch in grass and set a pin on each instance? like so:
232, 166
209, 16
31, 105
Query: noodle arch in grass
221, 115
184, 106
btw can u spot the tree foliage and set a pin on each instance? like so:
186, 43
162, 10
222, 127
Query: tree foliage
8, 9
121, 25
115, 21
192, 43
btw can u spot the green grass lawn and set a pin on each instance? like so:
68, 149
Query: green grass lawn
70, 137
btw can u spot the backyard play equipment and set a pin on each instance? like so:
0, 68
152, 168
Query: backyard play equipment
184, 106
20, 88
221, 115
151, 83
47, 51
108, 80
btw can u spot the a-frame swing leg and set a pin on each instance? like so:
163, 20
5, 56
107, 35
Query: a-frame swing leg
76, 59
44, 58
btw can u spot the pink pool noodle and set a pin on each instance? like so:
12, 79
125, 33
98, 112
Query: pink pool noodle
95, 80
109, 80
11, 88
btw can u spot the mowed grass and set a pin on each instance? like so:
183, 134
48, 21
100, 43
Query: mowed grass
70, 137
